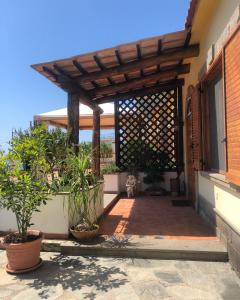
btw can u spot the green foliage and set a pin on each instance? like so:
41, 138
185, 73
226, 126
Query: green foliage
28, 147
144, 156
23, 184
153, 176
80, 183
55, 142
34, 155
105, 150
86, 147
110, 169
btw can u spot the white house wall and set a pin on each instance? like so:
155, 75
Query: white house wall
212, 24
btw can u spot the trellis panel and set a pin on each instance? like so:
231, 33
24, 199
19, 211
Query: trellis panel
147, 132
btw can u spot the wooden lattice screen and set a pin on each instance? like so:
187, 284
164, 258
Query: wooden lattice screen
149, 131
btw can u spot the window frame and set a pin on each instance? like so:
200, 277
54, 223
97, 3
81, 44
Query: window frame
216, 71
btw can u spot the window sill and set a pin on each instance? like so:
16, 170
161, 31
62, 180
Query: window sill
220, 179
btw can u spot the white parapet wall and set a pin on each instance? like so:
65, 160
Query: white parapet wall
220, 199
142, 186
112, 183
54, 218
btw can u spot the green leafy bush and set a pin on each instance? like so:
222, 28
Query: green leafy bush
27, 176
105, 150
153, 176
23, 180
110, 169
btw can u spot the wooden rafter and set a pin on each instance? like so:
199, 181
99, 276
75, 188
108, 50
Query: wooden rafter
67, 81
139, 55
102, 67
119, 59
50, 72
143, 91
123, 69
133, 83
79, 67
174, 55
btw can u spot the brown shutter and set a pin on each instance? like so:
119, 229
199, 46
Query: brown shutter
196, 129
232, 93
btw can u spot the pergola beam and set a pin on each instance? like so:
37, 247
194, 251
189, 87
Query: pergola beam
134, 83
171, 55
69, 83
142, 92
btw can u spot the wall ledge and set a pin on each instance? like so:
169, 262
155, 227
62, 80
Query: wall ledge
221, 180
233, 227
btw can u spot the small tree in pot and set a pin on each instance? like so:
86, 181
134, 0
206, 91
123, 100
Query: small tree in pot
85, 196
153, 178
23, 189
155, 161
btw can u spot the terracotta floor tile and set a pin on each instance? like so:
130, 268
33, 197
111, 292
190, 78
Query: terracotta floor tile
154, 216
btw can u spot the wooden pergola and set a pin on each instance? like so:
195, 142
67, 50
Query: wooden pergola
138, 68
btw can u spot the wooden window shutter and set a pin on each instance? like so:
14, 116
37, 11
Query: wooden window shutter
196, 129
232, 95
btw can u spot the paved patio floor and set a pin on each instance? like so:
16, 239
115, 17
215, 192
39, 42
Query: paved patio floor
68, 277
153, 217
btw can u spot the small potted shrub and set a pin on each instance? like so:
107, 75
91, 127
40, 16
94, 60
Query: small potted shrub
23, 189
111, 178
153, 178
86, 197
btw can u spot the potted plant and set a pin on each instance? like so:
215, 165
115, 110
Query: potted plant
111, 178
23, 189
153, 178
85, 197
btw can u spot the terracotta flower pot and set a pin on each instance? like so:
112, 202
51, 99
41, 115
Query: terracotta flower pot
84, 235
24, 257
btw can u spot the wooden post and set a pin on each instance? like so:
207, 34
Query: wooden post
180, 163
116, 128
96, 143
73, 121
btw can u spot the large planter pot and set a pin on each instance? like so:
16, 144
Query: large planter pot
24, 257
84, 235
111, 183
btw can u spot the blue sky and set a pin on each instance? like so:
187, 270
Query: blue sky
42, 30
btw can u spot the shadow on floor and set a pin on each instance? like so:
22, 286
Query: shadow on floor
75, 274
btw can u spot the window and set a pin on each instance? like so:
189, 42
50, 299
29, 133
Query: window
216, 125
214, 121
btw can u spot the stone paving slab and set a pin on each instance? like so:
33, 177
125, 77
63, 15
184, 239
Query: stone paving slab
68, 277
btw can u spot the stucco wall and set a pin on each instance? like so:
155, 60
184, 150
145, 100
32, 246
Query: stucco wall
142, 186
221, 199
214, 21
54, 217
